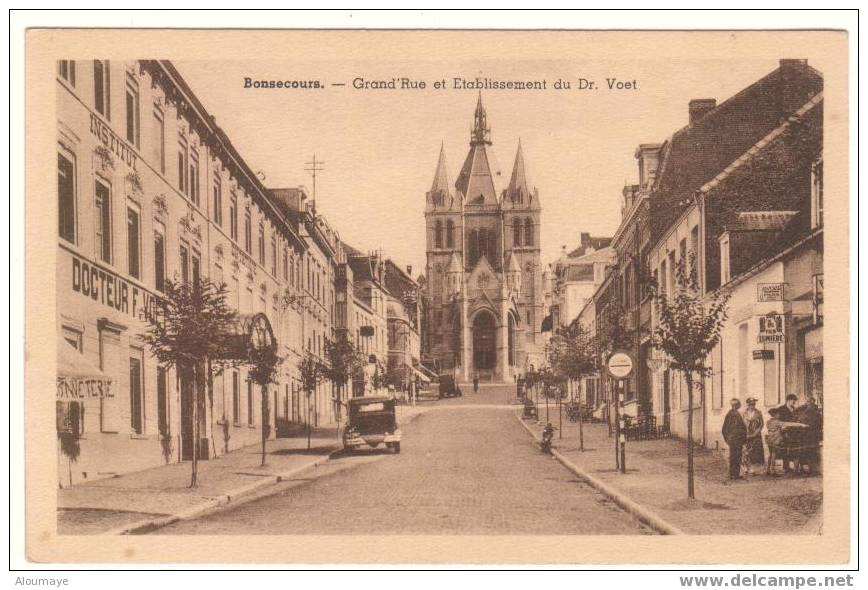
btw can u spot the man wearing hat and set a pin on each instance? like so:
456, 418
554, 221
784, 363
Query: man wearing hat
734, 433
754, 457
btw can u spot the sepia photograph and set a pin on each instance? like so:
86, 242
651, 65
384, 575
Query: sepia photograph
359, 290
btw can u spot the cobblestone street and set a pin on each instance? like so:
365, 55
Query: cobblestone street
466, 467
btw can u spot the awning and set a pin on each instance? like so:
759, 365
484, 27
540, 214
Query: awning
77, 377
421, 375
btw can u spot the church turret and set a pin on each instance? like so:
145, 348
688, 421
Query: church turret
519, 192
440, 194
454, 275
481, 133
513, 274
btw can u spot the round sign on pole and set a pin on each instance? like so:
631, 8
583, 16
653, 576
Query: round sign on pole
620, 365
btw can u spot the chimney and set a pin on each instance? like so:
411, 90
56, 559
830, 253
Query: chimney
648, 158
585, 239
699, 107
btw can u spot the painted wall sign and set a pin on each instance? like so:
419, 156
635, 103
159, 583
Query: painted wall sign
770, 292
114, 143
101, 285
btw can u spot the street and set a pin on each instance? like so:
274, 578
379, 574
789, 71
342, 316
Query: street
466, 467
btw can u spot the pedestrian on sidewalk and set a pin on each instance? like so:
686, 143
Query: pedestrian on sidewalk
476, 384
753, 454
734, 433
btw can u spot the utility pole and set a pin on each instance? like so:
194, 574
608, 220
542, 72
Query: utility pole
313, 167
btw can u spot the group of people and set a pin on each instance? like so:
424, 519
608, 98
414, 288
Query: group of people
802, 426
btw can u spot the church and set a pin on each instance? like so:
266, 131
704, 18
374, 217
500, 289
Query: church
483, 289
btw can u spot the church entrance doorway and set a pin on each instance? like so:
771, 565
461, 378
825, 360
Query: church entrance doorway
484, 348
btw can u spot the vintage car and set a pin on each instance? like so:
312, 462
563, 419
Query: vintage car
448, 387
371, 421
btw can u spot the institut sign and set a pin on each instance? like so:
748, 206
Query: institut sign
111, 141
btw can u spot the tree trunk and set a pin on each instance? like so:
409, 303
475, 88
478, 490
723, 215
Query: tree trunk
209, 368
308, 420
265, 421
581, 424
560, 417
689, 378
194, 464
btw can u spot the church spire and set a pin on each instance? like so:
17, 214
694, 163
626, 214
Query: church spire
441, 176
481, 133
519, 188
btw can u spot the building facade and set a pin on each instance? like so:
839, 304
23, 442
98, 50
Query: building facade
484, 291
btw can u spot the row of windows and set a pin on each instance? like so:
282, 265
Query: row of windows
522, 233
188, 177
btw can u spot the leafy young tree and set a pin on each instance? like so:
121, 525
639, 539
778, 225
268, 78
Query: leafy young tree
344, 360
192, 326
312, 372
572, 355
264, 362
687, 330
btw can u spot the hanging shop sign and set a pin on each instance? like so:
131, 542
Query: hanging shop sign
771, 328
620, 364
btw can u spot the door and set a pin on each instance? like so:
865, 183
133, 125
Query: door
484, 341
186, 414
666, 403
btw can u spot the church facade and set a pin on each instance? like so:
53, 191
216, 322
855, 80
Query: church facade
483, 290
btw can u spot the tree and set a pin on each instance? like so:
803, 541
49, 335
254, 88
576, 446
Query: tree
264, 362
687, 330
312, 372
193, 325
573, 355
344, 360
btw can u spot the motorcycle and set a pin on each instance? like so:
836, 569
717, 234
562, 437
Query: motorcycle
548, 434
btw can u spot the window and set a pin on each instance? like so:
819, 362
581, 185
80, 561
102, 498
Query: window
249, 402
438, 235
261, 244
103, 203
66, 197
182, 165
218, 202
817, 194
742, 360
158, 124
73, 337
664, 279
133, 242
233, 216
132, 104
162, 402
516, 232
285, 264
185, 263
682, 253
102, 88
193, 181
66, 70
159, 257
694, 249
449, 228
672, 272
196, 267
724, 259
248, 231
273, 255
236, 399
528, 232
292, 271
137, 406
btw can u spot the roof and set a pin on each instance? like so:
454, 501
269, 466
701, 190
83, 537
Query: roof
476, 179
697, 153
519, 188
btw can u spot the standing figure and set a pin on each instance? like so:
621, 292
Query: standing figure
754, 455
734, 433
476, 384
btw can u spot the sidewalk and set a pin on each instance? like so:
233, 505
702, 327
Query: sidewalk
656, 481
155, 497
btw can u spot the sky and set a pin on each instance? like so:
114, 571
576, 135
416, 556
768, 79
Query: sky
380, 146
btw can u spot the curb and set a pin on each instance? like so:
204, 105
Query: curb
152, 524
641, 513
231, 496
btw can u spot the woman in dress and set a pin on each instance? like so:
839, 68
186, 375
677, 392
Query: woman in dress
753, 457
